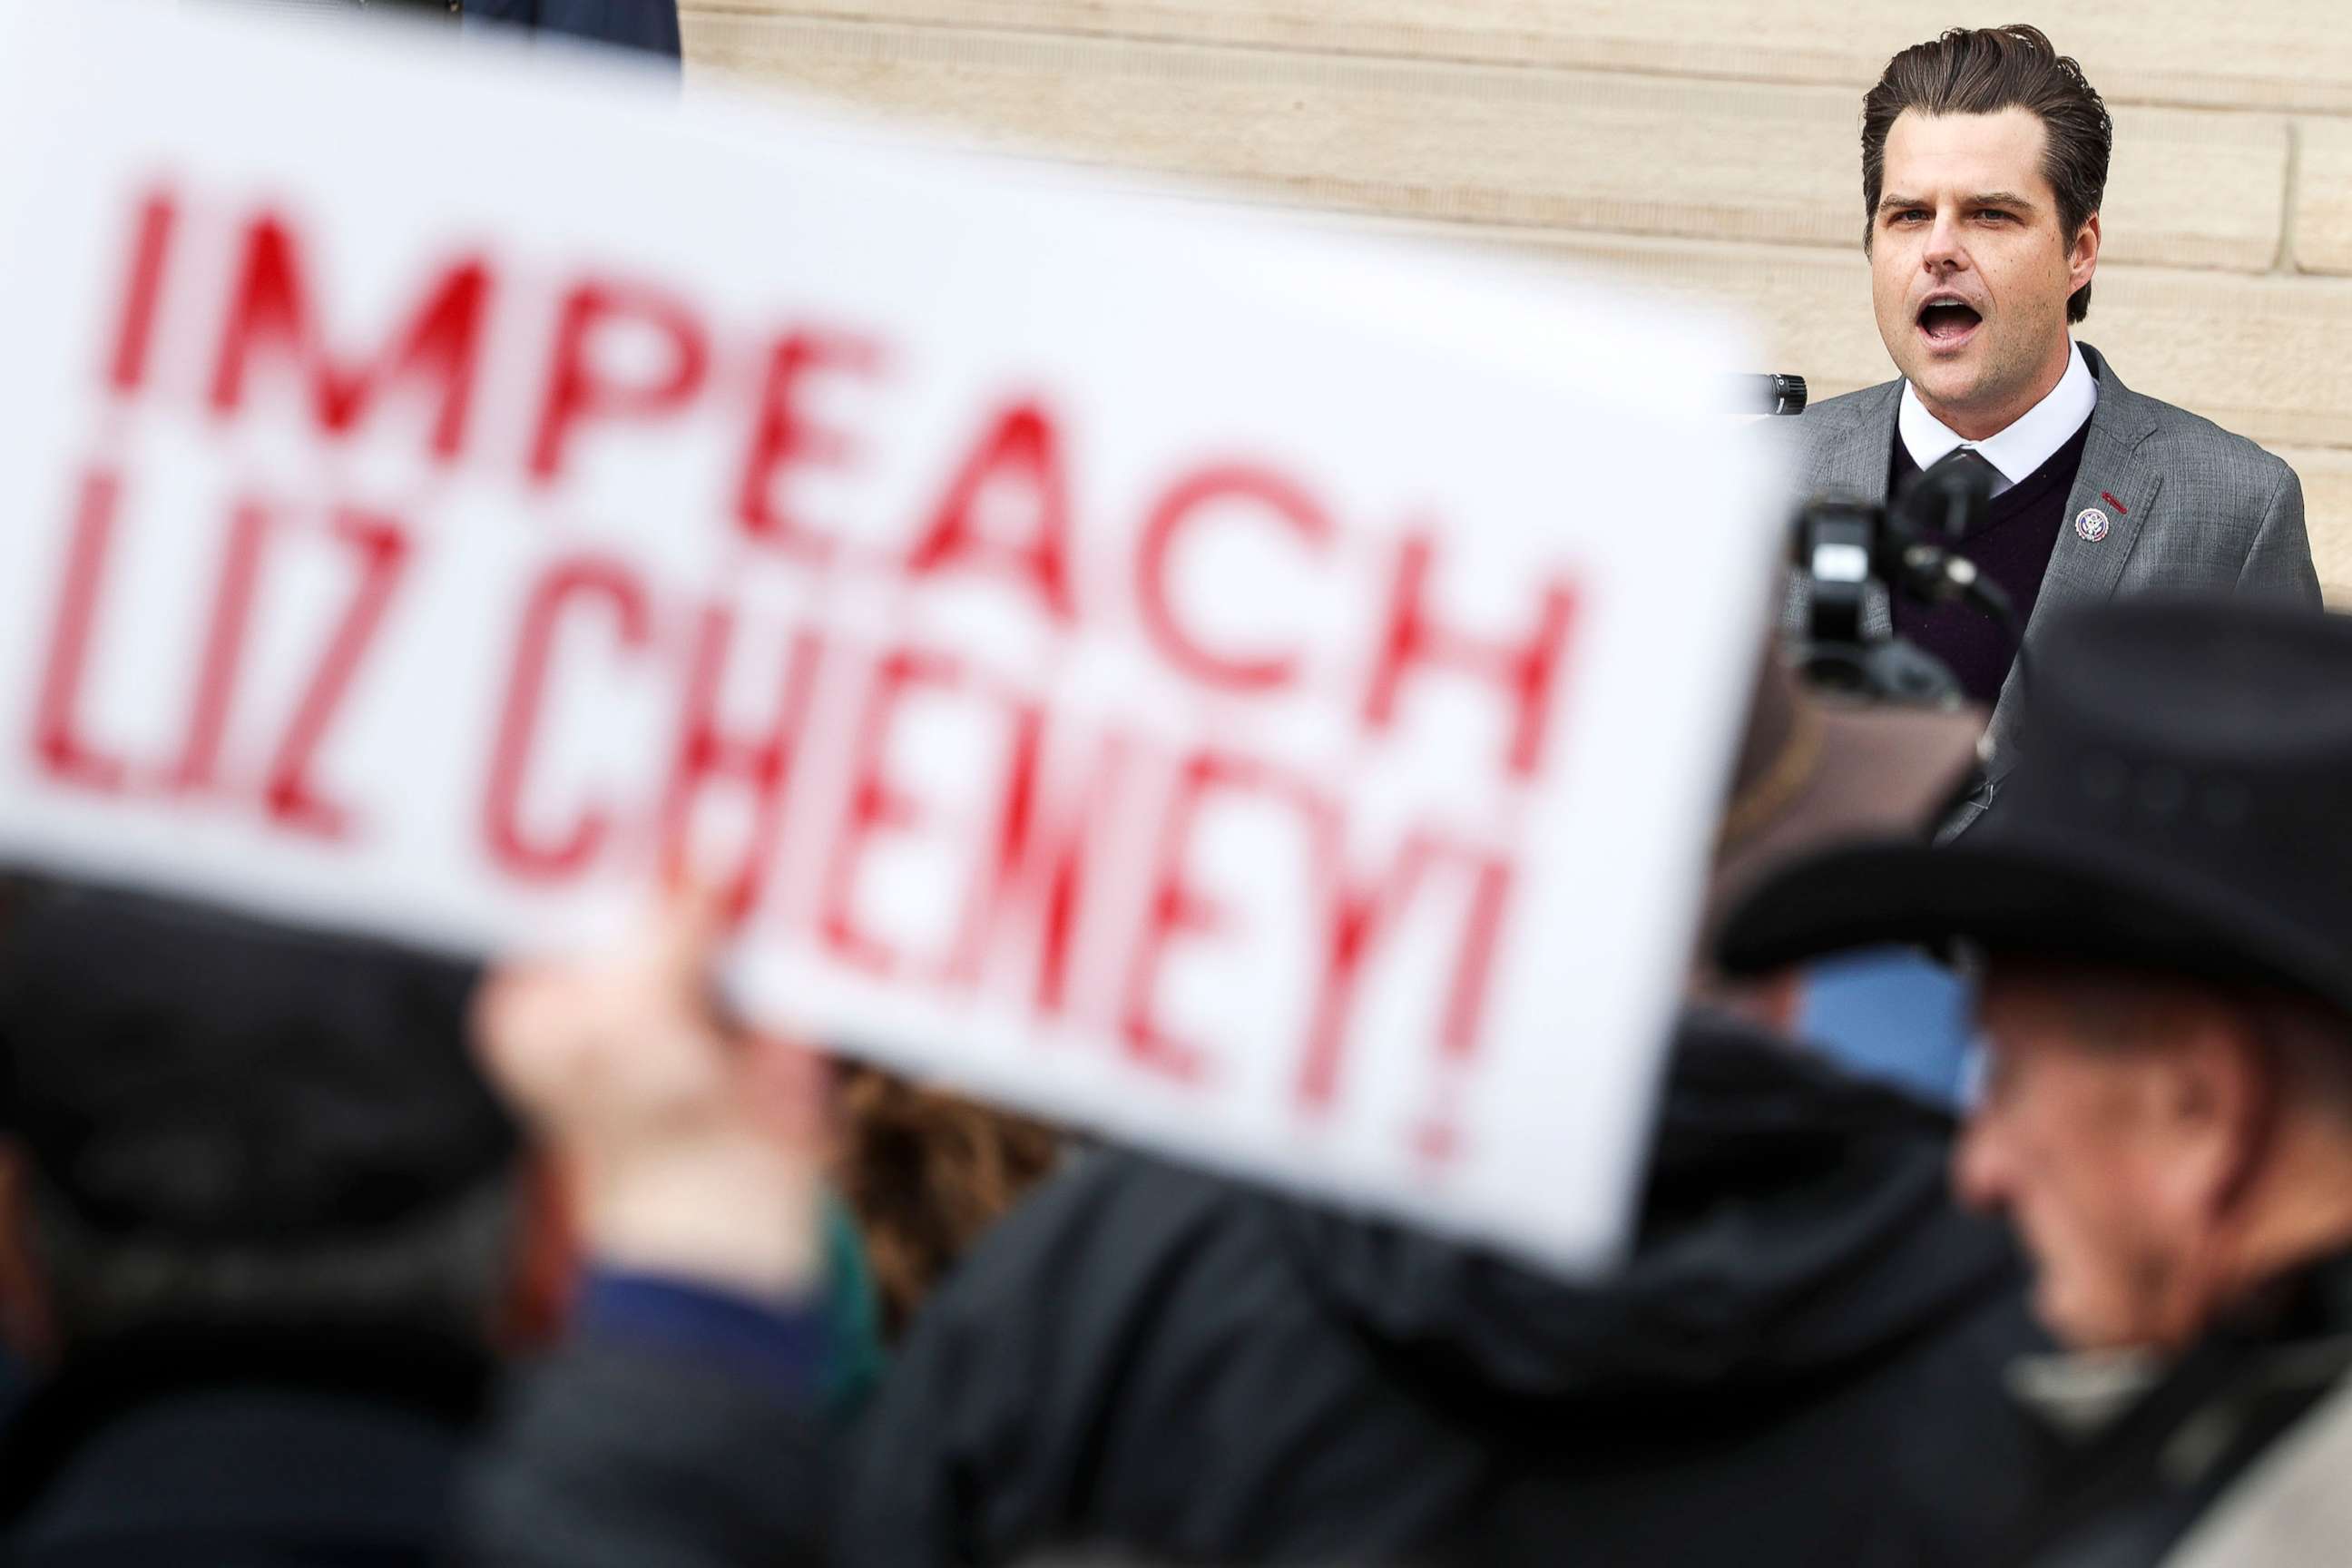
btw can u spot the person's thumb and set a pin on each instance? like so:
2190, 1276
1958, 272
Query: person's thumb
686, 938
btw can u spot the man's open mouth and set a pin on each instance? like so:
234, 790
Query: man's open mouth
1947, 323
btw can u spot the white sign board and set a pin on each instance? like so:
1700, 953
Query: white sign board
1247, 691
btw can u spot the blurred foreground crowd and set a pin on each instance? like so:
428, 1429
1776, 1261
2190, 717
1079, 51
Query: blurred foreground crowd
319, 1251
315, 1250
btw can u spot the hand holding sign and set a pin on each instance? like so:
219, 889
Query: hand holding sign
694, 1146
1170, 671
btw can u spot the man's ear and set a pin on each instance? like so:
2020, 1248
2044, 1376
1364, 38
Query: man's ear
2083, 255
2215, 1097
27, 1318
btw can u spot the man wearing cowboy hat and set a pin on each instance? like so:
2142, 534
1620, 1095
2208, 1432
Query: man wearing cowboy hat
2163, 911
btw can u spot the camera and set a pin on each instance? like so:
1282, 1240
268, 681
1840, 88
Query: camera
1850, 558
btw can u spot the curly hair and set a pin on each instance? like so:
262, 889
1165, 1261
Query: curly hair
925, 1172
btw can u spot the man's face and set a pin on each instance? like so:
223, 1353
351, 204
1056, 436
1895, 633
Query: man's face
1969, 270
2088, 1144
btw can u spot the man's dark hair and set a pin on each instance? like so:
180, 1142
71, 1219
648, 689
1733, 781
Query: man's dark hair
231, 1119
1983, 70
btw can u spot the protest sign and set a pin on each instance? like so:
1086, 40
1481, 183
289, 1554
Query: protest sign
1251, 691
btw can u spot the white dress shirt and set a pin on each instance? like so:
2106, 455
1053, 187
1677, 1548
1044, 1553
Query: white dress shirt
2027, 443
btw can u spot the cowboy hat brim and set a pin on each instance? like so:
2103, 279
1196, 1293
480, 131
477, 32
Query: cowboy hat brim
2030, 894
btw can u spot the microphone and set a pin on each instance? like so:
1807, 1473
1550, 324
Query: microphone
1771, 393
1950, 499
1943, 506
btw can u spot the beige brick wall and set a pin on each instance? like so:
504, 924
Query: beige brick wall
1703, 147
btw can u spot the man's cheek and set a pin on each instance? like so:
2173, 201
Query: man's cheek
2070, 1244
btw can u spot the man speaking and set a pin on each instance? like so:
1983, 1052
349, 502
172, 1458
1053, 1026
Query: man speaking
1984, 160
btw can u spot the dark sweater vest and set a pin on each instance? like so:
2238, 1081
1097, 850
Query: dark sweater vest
2013, 548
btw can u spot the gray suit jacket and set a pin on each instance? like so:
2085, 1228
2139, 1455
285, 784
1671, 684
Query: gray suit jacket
2191, 509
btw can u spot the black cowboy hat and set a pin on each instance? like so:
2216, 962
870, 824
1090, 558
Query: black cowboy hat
2182, 803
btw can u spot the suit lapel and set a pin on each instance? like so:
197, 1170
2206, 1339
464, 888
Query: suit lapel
1856, 459
2123, 487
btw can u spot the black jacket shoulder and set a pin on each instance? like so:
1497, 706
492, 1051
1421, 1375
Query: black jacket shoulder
1801, 1364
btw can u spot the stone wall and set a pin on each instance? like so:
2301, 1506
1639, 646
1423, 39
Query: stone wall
1701, 146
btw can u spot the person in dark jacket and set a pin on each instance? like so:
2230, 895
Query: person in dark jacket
683, 1420
263, 1231
1799, 1362
2164, 915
